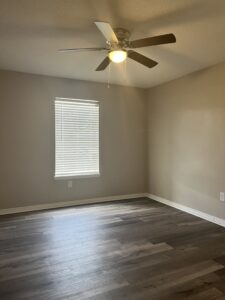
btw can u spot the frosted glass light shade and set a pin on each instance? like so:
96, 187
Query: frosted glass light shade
117, 56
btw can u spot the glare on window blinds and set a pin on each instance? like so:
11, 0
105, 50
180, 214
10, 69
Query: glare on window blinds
76, 137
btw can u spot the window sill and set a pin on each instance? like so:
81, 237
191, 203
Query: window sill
77, 176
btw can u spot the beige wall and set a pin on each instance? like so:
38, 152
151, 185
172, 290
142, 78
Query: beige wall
27, 140
186, 133
181, 158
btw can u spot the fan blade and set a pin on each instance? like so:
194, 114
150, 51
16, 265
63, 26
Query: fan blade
107, 31
104, 64
155, 40
142, 59
81, 49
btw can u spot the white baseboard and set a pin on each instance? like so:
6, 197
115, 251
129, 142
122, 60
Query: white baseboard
189, 210
22, 209
46, 206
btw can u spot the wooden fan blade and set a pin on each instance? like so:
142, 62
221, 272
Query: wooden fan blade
155, 40
80, 49
104, 64
142, 59
107, 31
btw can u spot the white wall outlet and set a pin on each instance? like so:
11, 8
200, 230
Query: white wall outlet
222, 196
70, 184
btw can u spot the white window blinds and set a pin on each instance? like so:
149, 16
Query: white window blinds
76, 137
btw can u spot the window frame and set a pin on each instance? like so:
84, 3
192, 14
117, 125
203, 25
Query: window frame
69, 177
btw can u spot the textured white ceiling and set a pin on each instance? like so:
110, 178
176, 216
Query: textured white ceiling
31, 31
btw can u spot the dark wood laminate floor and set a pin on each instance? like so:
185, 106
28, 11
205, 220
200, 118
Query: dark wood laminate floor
137, 249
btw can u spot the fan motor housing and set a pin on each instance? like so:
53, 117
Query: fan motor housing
122, 34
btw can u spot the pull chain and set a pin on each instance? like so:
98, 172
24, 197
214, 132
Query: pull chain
108, 83
125, 69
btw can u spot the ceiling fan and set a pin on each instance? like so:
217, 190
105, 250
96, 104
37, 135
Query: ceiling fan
119, 47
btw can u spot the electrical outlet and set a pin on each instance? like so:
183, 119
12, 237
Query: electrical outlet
70, 184
222, 196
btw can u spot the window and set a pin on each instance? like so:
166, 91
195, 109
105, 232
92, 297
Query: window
76, 137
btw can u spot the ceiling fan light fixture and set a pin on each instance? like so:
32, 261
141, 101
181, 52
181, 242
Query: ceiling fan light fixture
119, 47
117, 56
